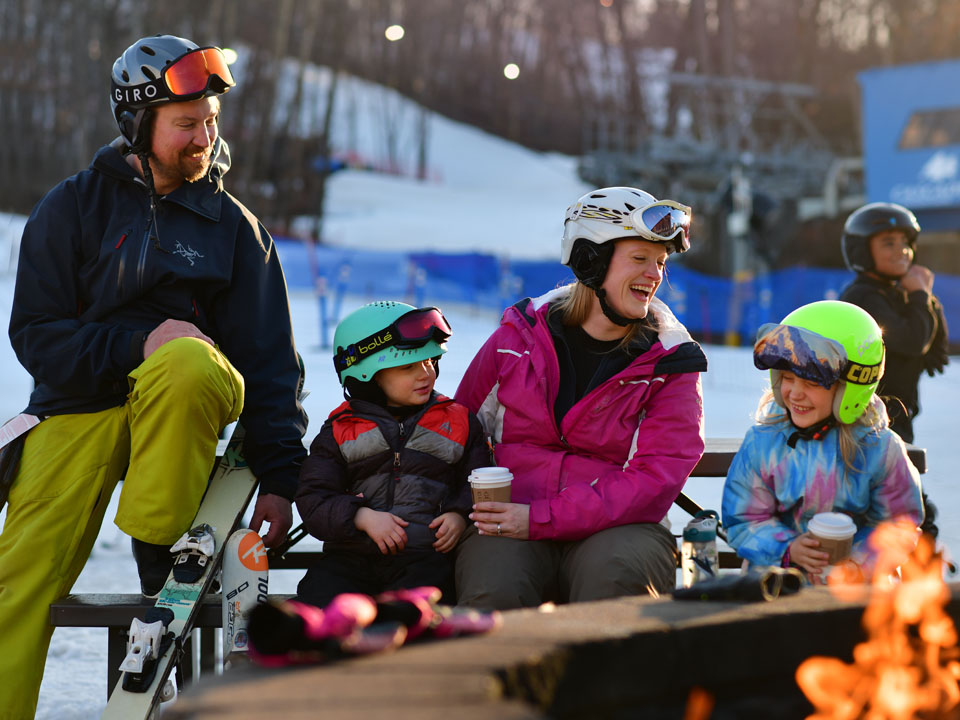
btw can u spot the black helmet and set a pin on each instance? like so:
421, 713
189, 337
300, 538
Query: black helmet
161, 69
866, 222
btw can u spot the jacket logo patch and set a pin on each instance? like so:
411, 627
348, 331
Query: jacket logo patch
188, 252
446, 428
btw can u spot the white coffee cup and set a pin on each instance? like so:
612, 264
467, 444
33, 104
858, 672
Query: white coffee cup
491, 484
835, 533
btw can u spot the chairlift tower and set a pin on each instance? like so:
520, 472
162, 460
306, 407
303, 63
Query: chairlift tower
718, 131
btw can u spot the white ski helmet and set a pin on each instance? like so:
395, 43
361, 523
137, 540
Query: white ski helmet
618, 213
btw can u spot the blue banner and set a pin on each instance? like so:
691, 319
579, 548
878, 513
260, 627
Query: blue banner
715, 309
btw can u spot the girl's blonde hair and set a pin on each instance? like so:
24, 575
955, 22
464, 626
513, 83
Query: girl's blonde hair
575, 307
769, 412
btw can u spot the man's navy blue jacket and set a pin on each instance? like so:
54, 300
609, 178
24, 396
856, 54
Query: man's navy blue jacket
95, 277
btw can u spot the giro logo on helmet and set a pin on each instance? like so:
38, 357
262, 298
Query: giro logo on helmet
137, 94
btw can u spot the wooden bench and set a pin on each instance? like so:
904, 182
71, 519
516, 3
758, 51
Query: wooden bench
115, 612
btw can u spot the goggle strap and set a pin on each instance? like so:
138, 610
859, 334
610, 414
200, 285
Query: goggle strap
387, 337
138, 95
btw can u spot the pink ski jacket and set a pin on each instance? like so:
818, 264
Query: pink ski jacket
621, 454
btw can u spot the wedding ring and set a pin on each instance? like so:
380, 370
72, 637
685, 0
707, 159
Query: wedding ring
498, 529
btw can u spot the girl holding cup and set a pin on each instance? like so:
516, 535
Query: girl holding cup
591, 395
822, 442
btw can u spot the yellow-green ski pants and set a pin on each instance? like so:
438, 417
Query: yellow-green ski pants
162, 442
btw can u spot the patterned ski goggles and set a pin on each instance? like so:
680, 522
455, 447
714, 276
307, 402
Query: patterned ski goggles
411, 330
809, 356
664, 221
189, 77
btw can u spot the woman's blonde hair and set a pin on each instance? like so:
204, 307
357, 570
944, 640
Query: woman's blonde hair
575, 307
769, 412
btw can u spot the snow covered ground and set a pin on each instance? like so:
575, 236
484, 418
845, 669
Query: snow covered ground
75, 678
493, 196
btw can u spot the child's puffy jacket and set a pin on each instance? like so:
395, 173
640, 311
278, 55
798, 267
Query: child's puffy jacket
772, 490
416, 469
621, 454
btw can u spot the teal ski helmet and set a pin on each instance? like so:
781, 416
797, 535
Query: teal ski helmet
826, 342
387, 334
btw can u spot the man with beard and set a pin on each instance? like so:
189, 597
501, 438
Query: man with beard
151, 310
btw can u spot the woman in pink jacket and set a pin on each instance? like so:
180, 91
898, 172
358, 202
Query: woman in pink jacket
591, 395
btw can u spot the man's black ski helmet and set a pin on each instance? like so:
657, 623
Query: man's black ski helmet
866, 222
135, 82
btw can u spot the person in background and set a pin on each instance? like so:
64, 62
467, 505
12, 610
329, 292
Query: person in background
151, 310
591, 394
879, 244
385, 485
821, 442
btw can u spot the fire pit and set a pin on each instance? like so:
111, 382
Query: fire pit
626, 658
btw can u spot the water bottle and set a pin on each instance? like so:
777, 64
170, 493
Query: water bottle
699, 559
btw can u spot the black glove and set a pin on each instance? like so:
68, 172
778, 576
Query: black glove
937, 357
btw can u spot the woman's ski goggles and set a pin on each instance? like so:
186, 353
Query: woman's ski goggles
664, 221
190, 77
805, 353
411, 330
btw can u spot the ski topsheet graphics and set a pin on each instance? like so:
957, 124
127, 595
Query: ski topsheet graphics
156, 645
245, 581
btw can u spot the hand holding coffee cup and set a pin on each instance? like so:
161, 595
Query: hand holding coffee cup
834, 531
494, 511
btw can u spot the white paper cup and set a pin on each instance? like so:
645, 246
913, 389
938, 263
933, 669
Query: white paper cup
491, 484
835, 533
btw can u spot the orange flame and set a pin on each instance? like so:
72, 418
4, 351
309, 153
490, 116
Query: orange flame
699, 704
910, 664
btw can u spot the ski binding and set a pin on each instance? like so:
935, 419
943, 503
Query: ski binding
195, 549
147, 641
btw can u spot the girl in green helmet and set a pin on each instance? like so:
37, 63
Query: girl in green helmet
822, 443
385, 485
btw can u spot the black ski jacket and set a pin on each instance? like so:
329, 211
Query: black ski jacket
416, 468
95, 277
914, 334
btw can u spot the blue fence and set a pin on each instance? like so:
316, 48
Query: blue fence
713, 308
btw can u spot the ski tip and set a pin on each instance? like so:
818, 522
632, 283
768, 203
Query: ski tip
247, 546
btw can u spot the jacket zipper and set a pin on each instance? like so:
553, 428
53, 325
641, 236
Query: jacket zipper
142, 260
396, 470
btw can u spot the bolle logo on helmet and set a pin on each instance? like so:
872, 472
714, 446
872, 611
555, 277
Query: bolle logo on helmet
863, 374
362, 350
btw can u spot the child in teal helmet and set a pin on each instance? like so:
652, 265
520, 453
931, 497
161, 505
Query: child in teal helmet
822, 442
385, 485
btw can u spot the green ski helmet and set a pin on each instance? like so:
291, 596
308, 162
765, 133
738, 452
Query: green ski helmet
826, 342
387, 334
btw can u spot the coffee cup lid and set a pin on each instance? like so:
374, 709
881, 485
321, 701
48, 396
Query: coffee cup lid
494, 470
832, 525
491, 480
